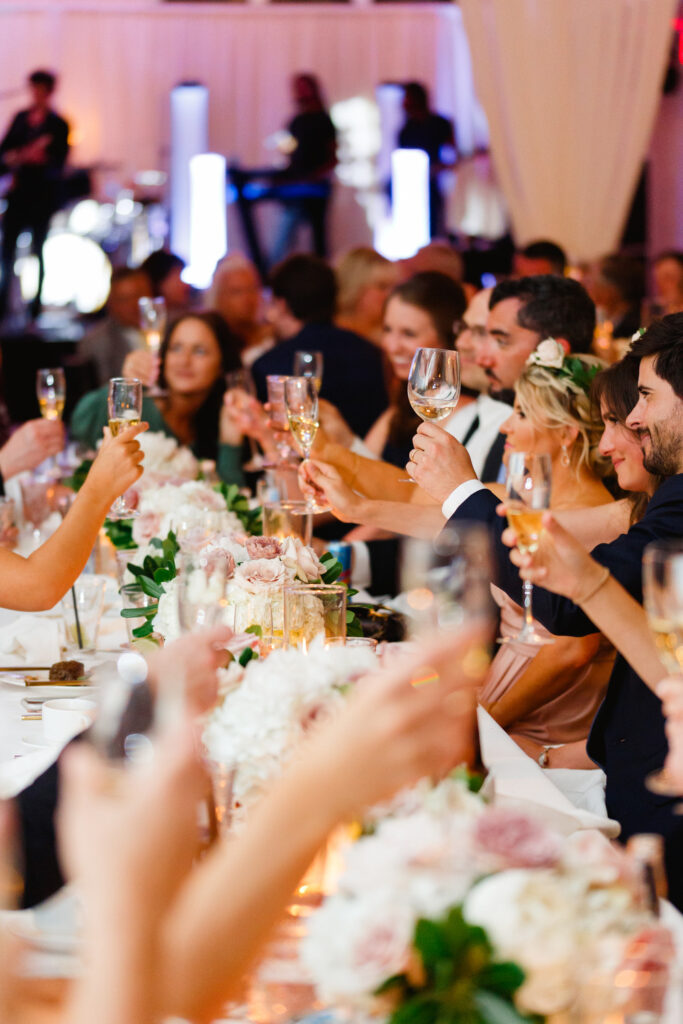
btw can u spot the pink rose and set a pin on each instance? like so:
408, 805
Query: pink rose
301, 560
262, 547
519, 840
260, 574
146, 526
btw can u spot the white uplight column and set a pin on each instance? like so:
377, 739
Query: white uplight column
408, 228
189, 137
208, 222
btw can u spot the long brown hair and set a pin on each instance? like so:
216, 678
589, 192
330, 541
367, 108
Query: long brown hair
617, 388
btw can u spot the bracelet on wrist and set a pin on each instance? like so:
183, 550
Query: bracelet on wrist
584, 598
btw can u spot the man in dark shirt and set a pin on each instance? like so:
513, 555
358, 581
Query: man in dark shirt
311, 163
304, 297
426, 130
34, 150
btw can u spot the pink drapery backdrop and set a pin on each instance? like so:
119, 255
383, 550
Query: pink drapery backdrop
570, 89
118, 61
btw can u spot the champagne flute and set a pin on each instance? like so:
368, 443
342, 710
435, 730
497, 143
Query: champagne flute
301, 405
125, 410
242, 380
51, 394
278, 414
153, 324
446, 583
434, 383
663, 600
528, 497
309, 364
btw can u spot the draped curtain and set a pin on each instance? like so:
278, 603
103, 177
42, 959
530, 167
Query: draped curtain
570, 89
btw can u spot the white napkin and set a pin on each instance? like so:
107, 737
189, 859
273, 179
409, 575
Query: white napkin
515, 779
30, 640
20, 772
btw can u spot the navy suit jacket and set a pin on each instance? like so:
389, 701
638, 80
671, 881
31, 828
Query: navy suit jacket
627, 738
353, 376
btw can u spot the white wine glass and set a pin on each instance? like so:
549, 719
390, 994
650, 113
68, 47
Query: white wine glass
301, 405
125, 410
529, 478
663, 600
309, 364
434, 383
153, 324
243, 380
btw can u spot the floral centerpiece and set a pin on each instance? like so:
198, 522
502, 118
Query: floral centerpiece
454, 911
271, 707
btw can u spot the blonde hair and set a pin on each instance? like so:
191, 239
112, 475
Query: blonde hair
554, 400
356, 270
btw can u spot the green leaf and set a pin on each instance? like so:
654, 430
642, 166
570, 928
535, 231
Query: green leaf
502, 978
431, 942
333, 573
150, 588
494, 1010
415, 1011
246, 656
395, 981
156, 542
135, 570
255, 629
164, 574
353, 626
120, 533
77, 479
137, 613
143, 630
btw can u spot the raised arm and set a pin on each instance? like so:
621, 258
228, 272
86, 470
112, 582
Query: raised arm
36, 583
391, 734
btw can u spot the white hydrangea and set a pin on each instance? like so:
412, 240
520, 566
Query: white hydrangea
163, 455
261, 722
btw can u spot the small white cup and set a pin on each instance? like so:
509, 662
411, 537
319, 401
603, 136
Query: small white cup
64, 718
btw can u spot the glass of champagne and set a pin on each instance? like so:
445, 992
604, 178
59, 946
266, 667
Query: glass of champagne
51, 394
278, 414
153, 325
242, 380
125, 410
528, 497
434, 383
663, 600
309, 364
301, 405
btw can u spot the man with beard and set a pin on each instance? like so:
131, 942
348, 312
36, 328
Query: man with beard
627, 738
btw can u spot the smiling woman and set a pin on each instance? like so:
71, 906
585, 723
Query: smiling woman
196, 353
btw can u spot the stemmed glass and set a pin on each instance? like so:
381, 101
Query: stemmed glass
278, 413
153, 324
301, 404
51, 394
125, 410
309, 364
201, 590
242, 380
528, 497
434, 383
446, 583
663, 600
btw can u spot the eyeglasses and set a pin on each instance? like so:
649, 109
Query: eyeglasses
478, 331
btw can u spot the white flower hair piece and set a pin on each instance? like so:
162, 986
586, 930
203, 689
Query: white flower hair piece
548, 353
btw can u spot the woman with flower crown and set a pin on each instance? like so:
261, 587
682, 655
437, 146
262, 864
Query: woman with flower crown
549, 696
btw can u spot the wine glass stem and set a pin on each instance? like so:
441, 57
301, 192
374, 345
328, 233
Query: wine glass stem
528, 589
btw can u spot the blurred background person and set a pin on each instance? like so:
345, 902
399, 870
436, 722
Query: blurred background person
364, 280
106, 346
617, 287
197, 351
236, 294
34, 150
667, 273
424, 129
164, 270
541, 257
301, 312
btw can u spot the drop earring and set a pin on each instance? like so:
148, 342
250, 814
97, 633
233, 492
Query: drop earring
565, 460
